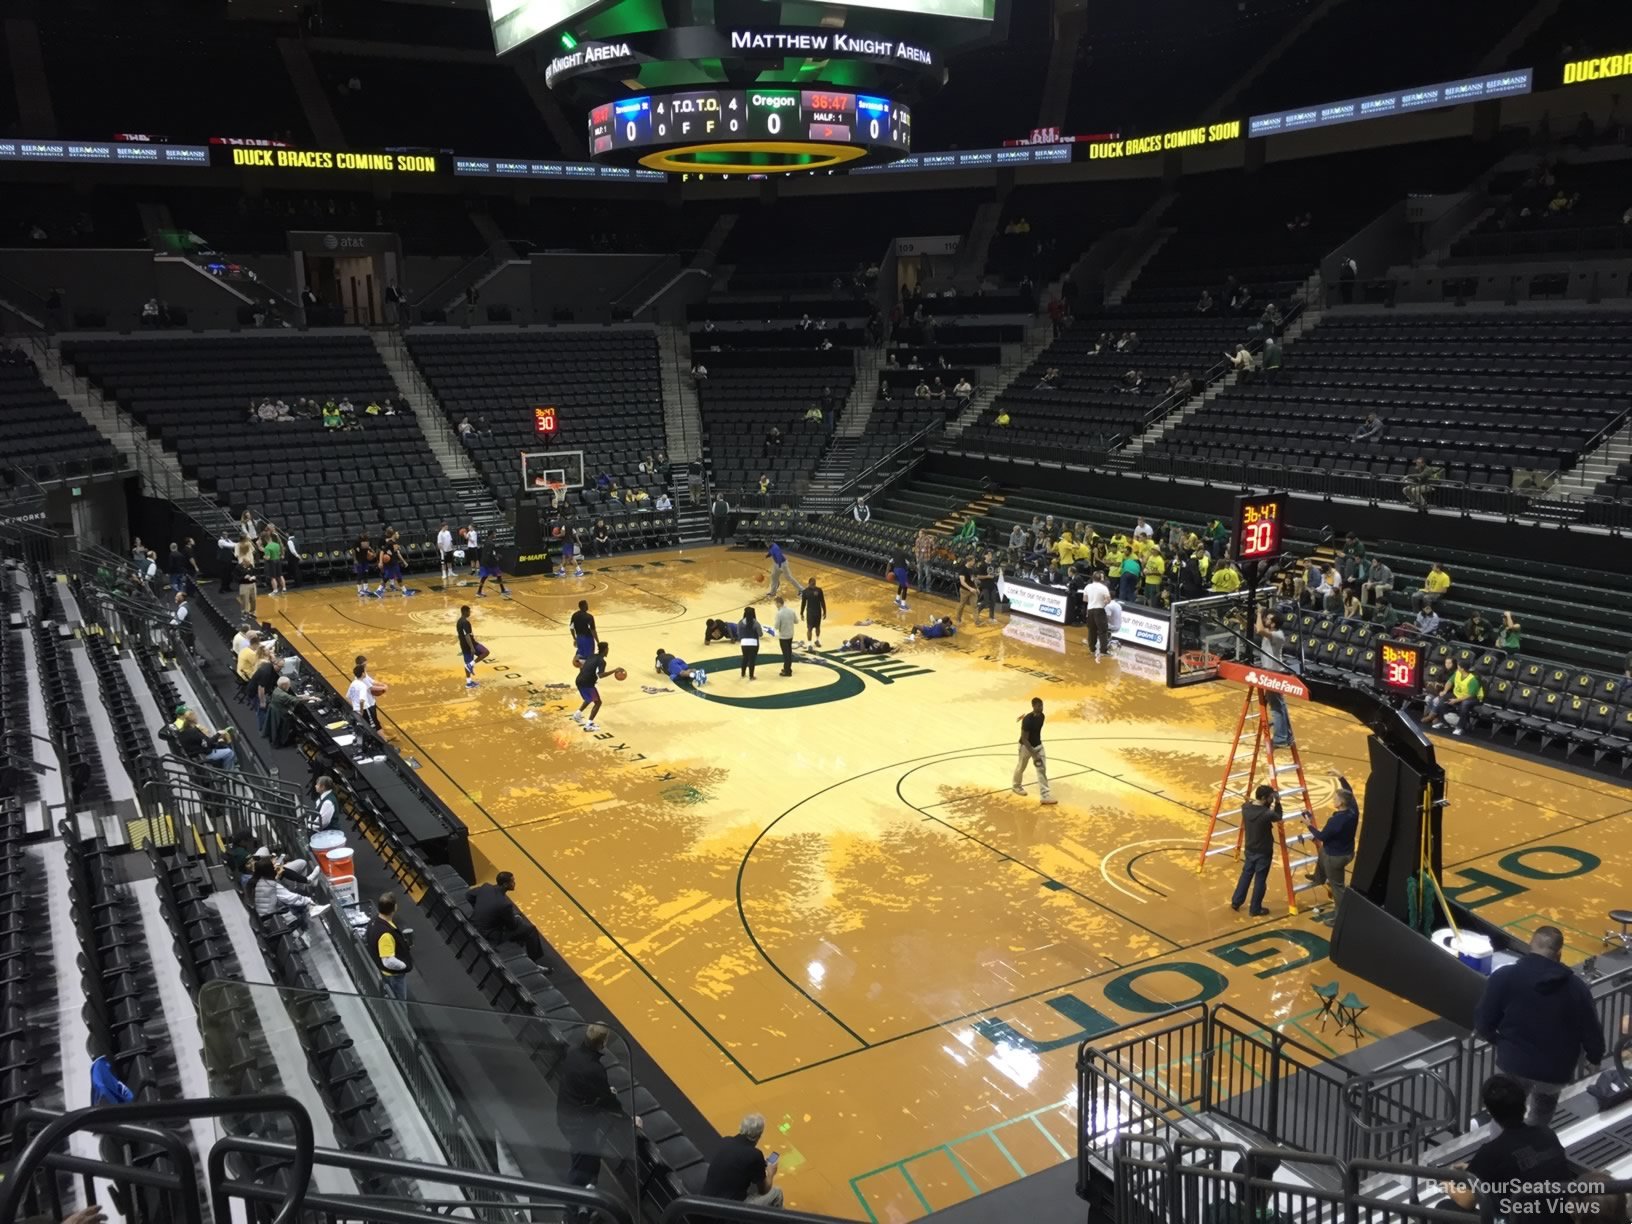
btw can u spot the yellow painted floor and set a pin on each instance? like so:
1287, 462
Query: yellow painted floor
815, 897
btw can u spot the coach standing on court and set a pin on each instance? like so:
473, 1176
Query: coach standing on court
1031, 750
787, 624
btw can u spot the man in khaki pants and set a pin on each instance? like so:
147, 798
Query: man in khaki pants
1031, 749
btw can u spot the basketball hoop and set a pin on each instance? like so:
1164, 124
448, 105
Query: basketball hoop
558, 492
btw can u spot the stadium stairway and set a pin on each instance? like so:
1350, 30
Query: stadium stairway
476, 502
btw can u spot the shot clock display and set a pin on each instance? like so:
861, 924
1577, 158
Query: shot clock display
1400, 667
545, 420
1258, 526
750, 130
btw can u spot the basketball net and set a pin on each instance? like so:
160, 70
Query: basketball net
558, 493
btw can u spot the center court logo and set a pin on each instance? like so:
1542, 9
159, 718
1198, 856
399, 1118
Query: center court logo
847, 677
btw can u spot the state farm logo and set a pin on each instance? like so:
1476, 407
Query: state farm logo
1274, 683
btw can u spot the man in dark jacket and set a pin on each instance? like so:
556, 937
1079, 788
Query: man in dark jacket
497, 919
586, 1105
1257, 848
1539, 1016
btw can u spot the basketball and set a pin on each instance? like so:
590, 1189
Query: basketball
619, 674
378, 689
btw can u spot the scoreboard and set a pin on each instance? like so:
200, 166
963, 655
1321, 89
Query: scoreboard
772, 120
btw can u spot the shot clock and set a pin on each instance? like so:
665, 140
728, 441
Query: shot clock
1258, 526
545, 419
1400, 667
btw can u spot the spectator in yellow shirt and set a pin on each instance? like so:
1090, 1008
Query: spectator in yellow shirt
1226, 581
1141, 548
1065, 548
249, 658
1433, 587
1155, 571
1203, 558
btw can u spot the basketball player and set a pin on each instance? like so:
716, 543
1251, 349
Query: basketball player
813, 607
899, 574
592, 669
749, 634
467, 643
362, 561
1031, 749
390, 570
862, 644
584, 636
491, 569
779, 570
473, 547
677, 670
570, 553
360, 692
444, 545
942, 628
720, 631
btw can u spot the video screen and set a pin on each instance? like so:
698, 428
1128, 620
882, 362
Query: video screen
516, 21
971, 10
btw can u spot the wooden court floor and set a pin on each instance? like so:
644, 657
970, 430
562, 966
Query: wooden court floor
817, 899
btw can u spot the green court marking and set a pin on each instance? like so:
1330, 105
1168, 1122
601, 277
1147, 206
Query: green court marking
989, 1132
1009, 1156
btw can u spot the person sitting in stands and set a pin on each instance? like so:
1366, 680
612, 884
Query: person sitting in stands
199, 744
942, 628
1461, 693
1002, 419
921, 391
271, 897
1050, 380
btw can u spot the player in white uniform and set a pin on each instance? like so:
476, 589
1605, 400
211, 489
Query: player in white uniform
473, 547
444, 545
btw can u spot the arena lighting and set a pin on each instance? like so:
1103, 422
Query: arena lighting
752, 157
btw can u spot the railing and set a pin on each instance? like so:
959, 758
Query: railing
440, 296
1392, 1114
860, 479
198, 800
1193, 1180
1113, 1104
180, 1182
1264, 1081
529, 1196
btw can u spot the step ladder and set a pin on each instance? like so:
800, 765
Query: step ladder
1268, 765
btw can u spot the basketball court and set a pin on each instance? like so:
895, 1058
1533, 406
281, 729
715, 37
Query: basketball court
816, 898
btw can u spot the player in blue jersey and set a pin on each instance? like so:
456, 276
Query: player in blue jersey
679, 671
942, 628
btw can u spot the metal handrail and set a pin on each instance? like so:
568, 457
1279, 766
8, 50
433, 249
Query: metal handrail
491, 259
100, 1117
907, 445
224, 1188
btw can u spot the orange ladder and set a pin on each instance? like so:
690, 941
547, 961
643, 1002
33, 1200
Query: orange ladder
1238, 787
